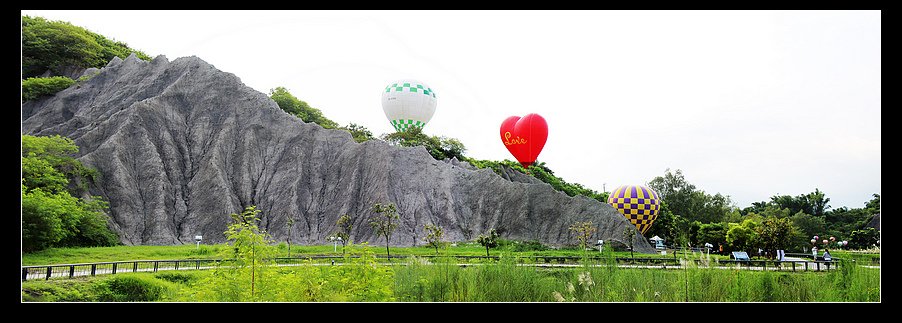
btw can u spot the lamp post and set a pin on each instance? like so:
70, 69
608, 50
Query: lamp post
198, 239
335, 240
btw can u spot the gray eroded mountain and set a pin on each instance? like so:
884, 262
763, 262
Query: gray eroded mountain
181, 145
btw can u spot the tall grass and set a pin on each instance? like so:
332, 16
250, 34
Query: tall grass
417, 280
602, 282
442, 279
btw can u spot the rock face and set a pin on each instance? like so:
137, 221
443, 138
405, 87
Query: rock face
874, 222
181, 145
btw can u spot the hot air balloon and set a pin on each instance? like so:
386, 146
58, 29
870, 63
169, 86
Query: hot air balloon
524, 137
408, 103
638, 204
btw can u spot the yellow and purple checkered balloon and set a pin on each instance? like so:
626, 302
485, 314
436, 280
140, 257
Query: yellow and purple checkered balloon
639, 204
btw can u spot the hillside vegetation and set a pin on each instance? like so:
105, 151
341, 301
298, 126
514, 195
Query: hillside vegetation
59, 48
57, 45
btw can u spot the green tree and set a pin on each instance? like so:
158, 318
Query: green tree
56, 45
433, 236
817, 202
808, 225
384, 222
686, 200
294, 106
842, 221
245, 272
673, 189
775, 234
51, 216
584, 232
358, 132
775, 211
92, 226
38, 173
713, 233
681, 231
47, 218
814, 203
742, 237
873, 206
489, 240
629, 236
756, 207
864, 238
289, 224
57, 152
452, 148
664, 223
413, 137
344, 224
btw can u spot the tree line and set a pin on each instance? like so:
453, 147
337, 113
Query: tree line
691, 217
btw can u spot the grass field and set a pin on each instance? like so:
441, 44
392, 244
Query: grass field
417, 280
125, 253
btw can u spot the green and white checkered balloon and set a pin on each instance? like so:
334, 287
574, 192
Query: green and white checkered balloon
408, 103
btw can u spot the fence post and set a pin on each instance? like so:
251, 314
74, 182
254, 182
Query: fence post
155, 265
114, 267
24, 274
793, 266
197, 265
71, 271
93, 269
176, 265
765, 265
49, 271
135, 269
818, 266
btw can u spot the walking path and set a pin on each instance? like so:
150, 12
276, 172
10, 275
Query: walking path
790, 264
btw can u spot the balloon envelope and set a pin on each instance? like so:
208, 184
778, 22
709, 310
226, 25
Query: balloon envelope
524, 137
639, 204
408, 103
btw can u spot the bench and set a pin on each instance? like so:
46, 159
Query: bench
740, 255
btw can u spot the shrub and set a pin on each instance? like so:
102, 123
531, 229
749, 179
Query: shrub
130, 288
36, 87
57, 291
176, 277
202, 251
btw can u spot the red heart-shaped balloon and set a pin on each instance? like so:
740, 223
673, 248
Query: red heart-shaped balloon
524, 137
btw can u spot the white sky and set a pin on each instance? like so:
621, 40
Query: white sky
749, 104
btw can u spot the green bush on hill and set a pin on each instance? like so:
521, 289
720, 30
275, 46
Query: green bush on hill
36, 87
55, 45
130, 288
294, 106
